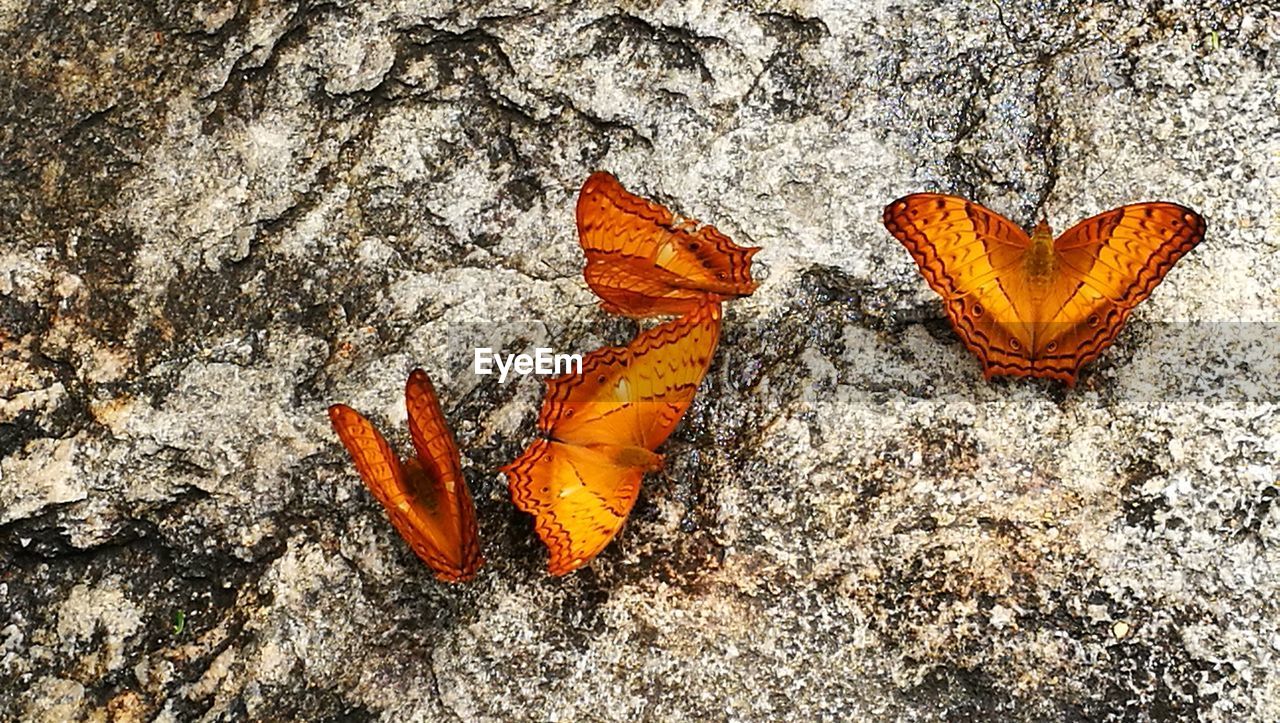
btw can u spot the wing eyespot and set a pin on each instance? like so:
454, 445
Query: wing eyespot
1093, 320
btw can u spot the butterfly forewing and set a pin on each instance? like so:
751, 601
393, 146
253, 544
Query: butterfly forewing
438, 454
374, 459
970, 255
668, 363
432, 439
958, 245
1124, 253
634, 395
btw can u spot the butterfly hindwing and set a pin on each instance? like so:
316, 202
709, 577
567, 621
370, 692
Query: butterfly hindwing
579, 497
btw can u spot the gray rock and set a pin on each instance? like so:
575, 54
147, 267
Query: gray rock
217, 219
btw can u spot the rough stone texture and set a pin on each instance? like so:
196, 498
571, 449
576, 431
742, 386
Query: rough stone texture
217, 218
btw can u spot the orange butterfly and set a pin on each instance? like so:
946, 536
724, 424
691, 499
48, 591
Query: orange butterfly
1036, 306
643, 261
426, 497
601, 428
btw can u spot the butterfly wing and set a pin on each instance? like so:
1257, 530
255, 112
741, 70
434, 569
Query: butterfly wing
642, 261
634, 395
413, 502
444, 484
604, 423
973, 257
1107, 264
579, 497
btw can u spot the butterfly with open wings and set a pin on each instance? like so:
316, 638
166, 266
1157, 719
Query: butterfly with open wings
1033, 305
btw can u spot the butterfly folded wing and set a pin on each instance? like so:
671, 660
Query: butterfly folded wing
414, 503
374, 459
432, 439
579, 497
438, 456
643, 261
427, 519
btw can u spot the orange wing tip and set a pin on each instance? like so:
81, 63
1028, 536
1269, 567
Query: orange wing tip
419, 385
418, 376
598, 180
560, 568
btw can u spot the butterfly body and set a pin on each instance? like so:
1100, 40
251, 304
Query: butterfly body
637, 457
1031, 304
1040, 257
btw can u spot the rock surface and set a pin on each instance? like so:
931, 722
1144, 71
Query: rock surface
218, 218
